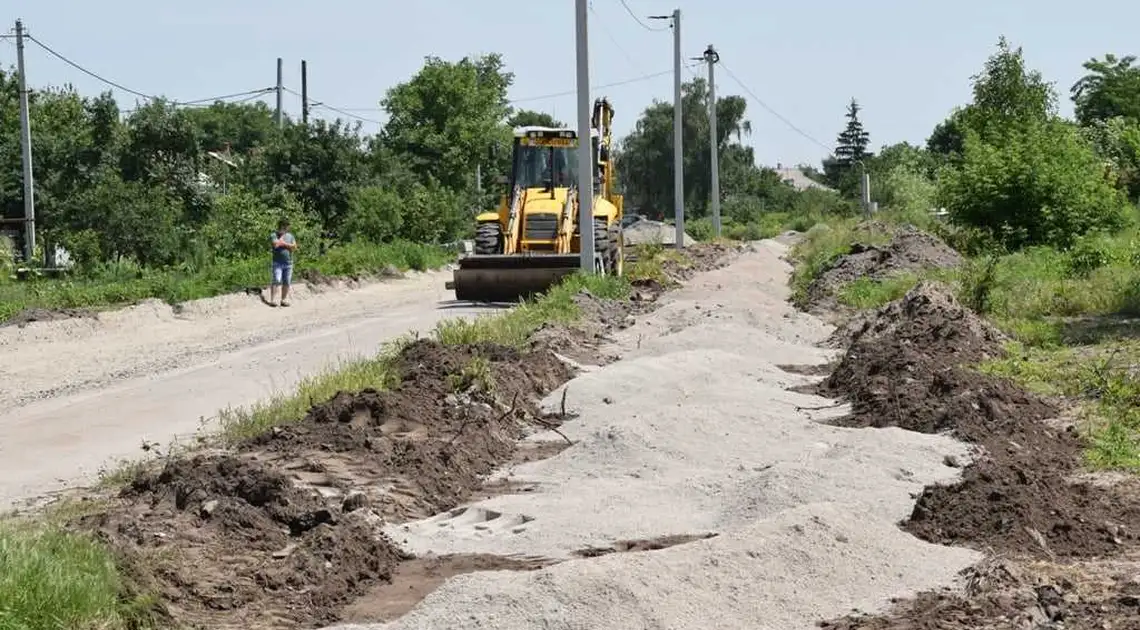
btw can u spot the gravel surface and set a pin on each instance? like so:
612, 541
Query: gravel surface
694, 432
79, 393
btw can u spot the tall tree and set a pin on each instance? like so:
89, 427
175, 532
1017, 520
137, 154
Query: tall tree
1110, 89
851, 146
448, 117
645, 159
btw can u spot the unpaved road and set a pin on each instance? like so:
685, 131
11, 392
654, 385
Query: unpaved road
695, 432
79, 394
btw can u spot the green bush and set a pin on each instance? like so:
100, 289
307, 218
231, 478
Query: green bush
1040, 183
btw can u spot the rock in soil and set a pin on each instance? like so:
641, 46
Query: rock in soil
907, 367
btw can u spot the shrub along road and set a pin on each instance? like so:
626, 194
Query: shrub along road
83, 392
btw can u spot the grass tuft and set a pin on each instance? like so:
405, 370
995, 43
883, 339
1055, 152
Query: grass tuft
51, 579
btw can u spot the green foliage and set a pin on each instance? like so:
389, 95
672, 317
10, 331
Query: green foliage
55, 579
1111, 89
1039, 183
374, 214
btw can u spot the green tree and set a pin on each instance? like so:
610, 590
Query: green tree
1024, 174
241, 127
448, 118
645, 157
374, 214
1110, 89
527, 117
850, 150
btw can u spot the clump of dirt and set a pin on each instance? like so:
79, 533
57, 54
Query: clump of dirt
425, 444
909, 250
228, 542
906, 367
30, 315
1077, 596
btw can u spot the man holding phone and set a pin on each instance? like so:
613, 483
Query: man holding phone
283, 245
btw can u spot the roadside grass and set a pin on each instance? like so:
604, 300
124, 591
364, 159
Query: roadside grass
123, 283
512, 328
51, 578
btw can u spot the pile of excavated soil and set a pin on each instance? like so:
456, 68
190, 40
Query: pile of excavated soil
228, 542
285, 531
909, 250
906, 367
425, 444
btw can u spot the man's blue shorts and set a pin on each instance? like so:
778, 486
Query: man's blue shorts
282, 273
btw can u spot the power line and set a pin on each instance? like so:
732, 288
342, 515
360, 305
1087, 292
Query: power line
344, 112
644, 77
638, 20
149, 97
761, 103
606, 31
88, 72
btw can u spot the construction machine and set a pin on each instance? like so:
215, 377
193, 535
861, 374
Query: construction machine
532, 241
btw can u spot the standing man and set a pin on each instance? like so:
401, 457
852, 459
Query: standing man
283, 244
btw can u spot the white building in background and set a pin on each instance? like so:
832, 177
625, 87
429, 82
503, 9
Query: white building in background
795, 178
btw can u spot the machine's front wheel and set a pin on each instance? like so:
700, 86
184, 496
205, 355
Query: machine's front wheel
489, 238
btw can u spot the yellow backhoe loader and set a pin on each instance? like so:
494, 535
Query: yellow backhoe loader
532, 241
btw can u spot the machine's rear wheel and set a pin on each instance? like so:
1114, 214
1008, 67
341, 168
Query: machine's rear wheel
489, 238
603, 245
617, 244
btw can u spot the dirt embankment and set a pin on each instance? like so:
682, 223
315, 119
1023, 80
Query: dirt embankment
910, 250
284, 529
1058, 543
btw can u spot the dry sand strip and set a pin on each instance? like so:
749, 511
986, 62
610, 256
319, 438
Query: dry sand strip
695, 433
78, 394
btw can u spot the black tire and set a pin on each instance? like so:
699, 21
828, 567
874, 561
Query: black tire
489, 238
616, 242
603, 245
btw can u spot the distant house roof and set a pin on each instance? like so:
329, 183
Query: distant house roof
796, 178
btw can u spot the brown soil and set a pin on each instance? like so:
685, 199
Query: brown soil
909, 250
649, 544
317, 279
29, 315
416, 579
907, 366
285, 530
1094, 595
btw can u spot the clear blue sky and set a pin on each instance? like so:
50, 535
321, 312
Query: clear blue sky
907, 61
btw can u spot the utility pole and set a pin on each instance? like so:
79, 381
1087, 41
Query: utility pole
304, 92
678, 128
26, 154
585, 146
277, 117
712, 57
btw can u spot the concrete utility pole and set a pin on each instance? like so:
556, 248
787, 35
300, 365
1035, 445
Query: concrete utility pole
678, 128
26, 146
280, 92
585, 146
712, 57
304, 92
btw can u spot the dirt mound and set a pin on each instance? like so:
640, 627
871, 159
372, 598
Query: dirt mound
906, 368
285, 530
909, 250
426, 443
1076, 596
227, 542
